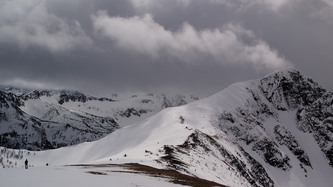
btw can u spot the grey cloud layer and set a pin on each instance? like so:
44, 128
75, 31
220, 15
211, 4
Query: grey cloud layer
28, 23
146, 44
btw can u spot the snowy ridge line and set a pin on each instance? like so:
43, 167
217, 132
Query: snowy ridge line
274, 131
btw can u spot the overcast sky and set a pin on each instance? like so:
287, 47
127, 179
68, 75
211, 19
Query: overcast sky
200, 46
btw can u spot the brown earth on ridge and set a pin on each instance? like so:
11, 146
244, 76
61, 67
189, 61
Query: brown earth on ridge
171, 175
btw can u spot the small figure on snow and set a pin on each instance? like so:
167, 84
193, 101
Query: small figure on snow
26, 163
182, 120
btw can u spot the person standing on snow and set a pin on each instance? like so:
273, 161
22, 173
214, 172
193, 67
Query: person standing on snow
26, 163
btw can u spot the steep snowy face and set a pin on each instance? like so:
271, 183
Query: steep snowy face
261, 133
312, 103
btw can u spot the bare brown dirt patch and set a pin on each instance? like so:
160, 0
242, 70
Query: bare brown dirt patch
171, 175
96, 173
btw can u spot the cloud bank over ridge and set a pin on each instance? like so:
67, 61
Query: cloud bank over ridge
143, 44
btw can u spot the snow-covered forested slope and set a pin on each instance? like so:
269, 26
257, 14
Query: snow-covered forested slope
275, 131
46, 119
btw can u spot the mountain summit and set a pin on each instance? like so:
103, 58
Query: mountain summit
274, 131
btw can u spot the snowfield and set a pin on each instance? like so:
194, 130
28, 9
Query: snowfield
56, 176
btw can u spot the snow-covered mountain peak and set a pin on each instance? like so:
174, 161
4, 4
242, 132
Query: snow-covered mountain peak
295, 88
274, 131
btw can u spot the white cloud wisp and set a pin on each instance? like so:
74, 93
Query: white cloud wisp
224, 45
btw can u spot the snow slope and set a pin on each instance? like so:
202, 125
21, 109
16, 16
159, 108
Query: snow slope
275, 131
71, 176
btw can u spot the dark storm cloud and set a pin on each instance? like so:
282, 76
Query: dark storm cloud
301, 31
137, 45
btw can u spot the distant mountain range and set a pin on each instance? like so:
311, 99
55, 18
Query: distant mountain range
274, 131
47, 119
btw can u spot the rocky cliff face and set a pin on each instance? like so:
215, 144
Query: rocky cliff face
277, 123
312, 103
